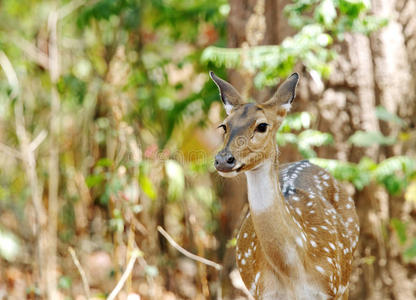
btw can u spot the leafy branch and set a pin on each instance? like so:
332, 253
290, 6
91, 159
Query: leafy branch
319, 22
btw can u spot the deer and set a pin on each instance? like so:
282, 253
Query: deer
300, 234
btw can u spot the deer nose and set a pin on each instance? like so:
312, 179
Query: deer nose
224, 161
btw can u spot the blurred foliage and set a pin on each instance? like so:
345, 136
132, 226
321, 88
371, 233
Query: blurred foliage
318, 23
397, 174
9, 245
394, 173
409, 246
274, 62
335, 16
134, 94
367, 139
133, 90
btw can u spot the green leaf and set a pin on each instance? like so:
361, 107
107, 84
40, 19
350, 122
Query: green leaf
400, 229
94, 180
410, 252
147, 186
72, 88
65, 282
284, 138
205, 195
202, 166
351, 172
404, 164
394, 172
231, 243
367, 139
369, 260
151, 271
228, 57
176, 179
145, 183
105, 162
393, 184
325, 13
311, 138
275, 62
307, 152
352, 8
296, 121
383, 114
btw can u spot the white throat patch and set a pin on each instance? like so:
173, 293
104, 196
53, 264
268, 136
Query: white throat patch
261, 188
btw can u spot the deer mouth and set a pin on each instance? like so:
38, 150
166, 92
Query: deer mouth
240, 168
233, 172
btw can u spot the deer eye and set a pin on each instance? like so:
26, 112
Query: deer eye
262, 127
223, 127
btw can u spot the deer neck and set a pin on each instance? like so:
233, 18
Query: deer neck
275, 228
263, 187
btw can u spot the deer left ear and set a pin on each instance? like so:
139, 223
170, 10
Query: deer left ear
229, 95
285, 93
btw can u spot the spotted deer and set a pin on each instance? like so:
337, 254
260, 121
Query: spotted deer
298, 240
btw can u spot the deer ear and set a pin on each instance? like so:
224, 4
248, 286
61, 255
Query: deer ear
229, 95
285, 93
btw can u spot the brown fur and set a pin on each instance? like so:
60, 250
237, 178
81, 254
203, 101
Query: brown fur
304, 242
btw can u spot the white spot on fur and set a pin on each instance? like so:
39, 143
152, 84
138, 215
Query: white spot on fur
299, 241
287, 106
330, 260
256, 279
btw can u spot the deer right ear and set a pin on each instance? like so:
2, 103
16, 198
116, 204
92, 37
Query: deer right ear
229, 95
285, 94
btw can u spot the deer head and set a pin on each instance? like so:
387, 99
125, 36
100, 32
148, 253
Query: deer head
250, 128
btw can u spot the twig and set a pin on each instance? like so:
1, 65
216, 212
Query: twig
38, 140
53, 168
10, 74
186, 252
81, 272
10, 151
29, 161
129, 268
25, 153
33, 52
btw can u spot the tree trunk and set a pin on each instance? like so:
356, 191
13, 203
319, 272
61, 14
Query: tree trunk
369, 71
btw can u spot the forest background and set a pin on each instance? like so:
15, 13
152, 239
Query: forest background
108, 131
